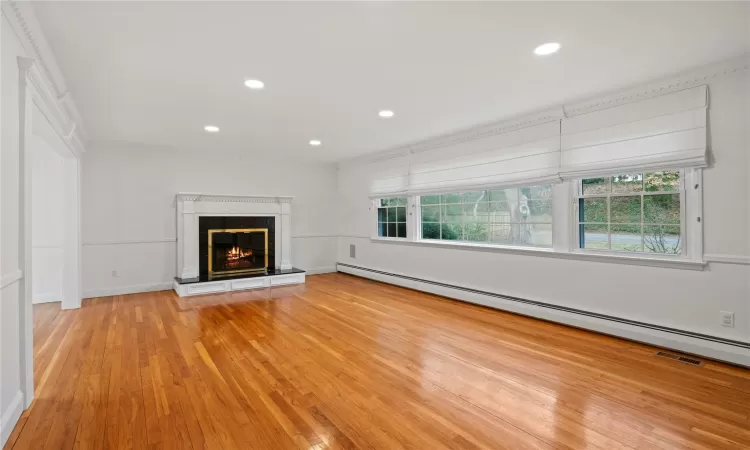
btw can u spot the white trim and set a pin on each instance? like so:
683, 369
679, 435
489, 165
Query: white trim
725, 258
550, 253
320, 270
20, 15
10, 278
173, 240
198, 197
47, 297
715, 350
10, 417
123, 290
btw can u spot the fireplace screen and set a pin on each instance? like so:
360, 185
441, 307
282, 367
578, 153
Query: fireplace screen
242, 250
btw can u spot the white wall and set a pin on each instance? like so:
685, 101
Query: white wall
682, 299
10, 383
129, 210
47, 222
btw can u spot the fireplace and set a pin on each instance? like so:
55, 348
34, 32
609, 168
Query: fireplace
236, 245
236, 251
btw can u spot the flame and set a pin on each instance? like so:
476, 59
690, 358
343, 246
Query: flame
236, 253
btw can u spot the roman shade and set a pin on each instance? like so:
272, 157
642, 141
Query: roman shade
525, 156
664, 132
390, 175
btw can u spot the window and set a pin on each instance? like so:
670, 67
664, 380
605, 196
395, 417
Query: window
637, 212
392, 217
515, 216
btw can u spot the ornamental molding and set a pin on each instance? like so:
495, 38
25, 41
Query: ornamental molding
226, 198
684, 80
21, 17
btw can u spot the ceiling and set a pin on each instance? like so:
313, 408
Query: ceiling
154, 73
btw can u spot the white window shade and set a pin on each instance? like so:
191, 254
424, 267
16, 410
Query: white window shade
521, 157
668, 131
390, 176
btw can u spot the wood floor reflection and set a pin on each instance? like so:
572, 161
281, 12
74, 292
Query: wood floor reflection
343, 362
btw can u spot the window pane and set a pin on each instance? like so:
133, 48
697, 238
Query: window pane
594, 236
383, 202
662, 239
663, 209
401, 229
593, 209
476, 232
431, 214
392, 230
382, 229
382, 215
500, 233
392, 214
400, 201
540, 192
498, 195
476, 196
595, 186
430, 199
475, 212
625, 209
662, 181
626, 237
537, 234
401, 214
451, 213
629, 182
450, 198
430, 231
450, 231
540, 210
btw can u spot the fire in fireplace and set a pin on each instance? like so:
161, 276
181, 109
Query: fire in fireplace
242, 250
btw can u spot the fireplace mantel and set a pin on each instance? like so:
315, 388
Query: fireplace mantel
192, 205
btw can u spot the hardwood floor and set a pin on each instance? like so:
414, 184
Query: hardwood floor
344, 362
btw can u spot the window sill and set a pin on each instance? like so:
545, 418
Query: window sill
672, 263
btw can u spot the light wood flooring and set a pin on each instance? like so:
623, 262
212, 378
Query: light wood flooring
344, 362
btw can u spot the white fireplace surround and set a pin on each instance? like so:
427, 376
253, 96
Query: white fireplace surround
191, 206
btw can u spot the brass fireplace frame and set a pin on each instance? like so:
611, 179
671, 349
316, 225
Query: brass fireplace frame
236, 230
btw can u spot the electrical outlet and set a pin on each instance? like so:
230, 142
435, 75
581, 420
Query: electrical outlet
727, 319
353, 251
114, 273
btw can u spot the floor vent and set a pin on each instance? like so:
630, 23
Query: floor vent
684, 359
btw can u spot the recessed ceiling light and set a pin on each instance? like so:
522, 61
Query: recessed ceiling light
211, 128
315, 142
385, 113
547, 49
254, 84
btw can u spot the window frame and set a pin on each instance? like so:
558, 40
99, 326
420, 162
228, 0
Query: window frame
690, 206
565, 231
417, 204
376, 204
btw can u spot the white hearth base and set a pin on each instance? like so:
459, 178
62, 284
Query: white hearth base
236, 284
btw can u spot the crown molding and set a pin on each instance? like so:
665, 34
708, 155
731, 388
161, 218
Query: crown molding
684, 80
221, 198
21, 18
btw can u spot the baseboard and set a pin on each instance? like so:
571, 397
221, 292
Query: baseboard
320, 270
122, 290
10, 417
735, 352
49, 297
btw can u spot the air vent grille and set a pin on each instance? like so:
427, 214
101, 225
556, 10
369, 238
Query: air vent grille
684, 359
